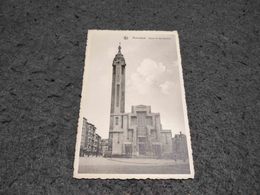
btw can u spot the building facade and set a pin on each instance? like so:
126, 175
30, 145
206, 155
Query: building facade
166, 140
179, 147
90, 140
104, 147
138, 133
97, 145
83, 137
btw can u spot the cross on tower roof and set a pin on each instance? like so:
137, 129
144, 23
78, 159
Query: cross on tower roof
119, 47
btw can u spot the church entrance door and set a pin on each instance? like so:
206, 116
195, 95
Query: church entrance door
156, 151
128, 150
142, 149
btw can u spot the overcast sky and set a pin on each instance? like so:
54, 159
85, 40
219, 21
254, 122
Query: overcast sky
152, 77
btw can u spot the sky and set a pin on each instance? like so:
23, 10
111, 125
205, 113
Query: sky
152, 76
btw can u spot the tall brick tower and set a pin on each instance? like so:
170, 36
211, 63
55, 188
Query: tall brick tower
117, 102
118, 84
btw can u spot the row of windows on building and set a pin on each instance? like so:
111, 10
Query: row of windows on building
147, 121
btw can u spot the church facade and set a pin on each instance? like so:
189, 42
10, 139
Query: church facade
138, 133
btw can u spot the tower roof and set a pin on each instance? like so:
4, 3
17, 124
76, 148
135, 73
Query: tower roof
119, 48
119, 55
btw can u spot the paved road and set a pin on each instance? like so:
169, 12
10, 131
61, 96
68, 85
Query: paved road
131, 166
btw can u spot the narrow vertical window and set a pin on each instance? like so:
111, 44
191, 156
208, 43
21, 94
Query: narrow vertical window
117, 74
117, 95
116, 120
122, 121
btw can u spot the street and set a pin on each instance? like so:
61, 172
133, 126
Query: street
132, 166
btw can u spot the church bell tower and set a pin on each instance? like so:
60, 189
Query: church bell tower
118, 84
117, 110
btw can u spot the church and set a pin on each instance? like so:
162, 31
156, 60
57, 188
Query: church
138, 133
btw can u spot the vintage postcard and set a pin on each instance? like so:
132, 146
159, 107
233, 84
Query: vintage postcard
133, 119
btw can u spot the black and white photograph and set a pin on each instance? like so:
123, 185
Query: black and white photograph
129, 97
133, 120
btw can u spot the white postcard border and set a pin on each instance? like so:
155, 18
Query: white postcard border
80, 120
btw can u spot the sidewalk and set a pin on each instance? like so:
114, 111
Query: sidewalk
155, 162
131, 165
